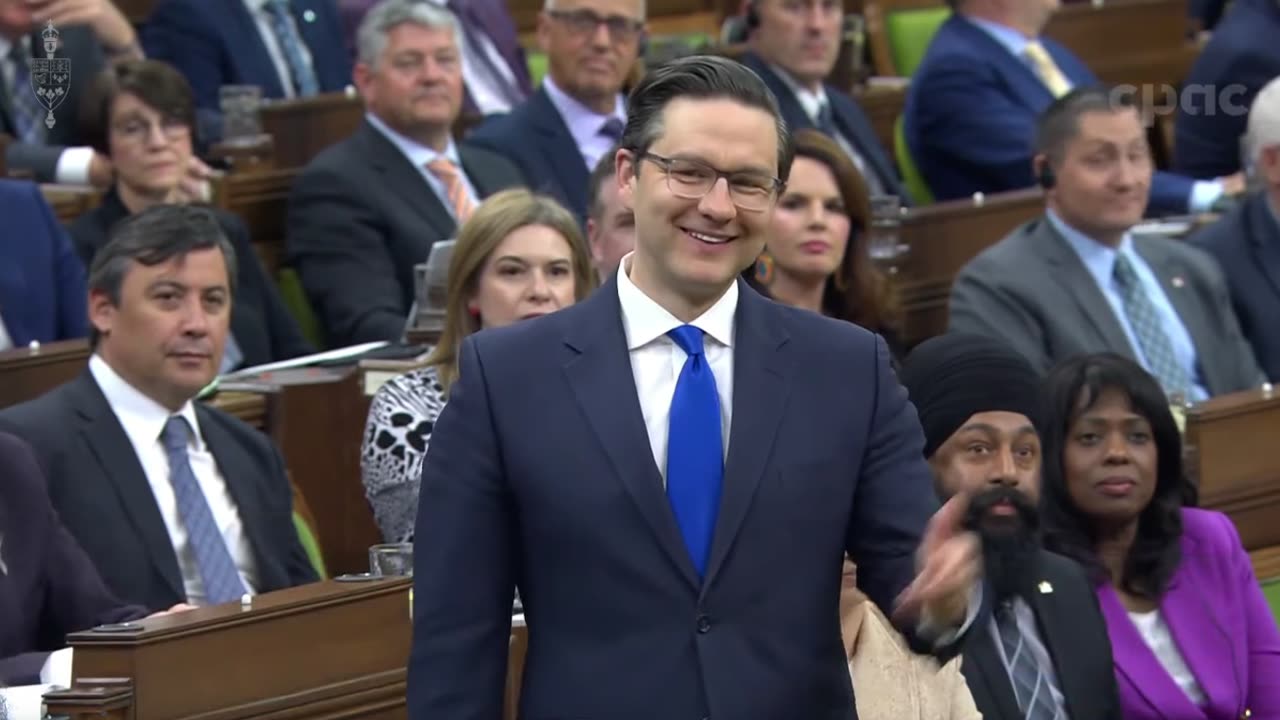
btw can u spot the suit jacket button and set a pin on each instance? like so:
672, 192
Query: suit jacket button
704, 624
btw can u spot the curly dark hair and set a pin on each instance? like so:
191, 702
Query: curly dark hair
1069, 390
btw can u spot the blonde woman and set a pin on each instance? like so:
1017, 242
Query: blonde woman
520, 256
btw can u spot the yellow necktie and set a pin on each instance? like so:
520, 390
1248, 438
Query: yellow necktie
1047, 69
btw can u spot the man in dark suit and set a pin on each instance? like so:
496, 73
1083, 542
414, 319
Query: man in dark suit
579, 111
368, 209
972, 105
793, 48
89, 33
713, 579
1045, 652
42, 286
289, 48
1076, 281
1227, 75
1246, 241
173, 500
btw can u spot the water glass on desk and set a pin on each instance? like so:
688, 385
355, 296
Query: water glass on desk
240, 105
391, 560
886, 222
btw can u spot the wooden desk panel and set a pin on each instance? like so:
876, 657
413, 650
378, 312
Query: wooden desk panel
261, 199
300, 128
883, 103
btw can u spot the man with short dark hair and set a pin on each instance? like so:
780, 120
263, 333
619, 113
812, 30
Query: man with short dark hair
1076, 281
687, 560
611, 228
173, 500
1045, 653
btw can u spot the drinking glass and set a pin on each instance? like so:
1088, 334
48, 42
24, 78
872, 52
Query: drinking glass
391, 560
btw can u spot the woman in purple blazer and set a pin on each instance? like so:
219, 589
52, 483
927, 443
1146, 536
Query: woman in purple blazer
1191, 634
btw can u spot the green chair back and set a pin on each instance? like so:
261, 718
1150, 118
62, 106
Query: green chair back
909, 33
1271, 591
911, 176
295, 299
309, 543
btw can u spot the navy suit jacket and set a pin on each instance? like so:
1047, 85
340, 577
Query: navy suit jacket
538, 141
48, 586
1246, 243
541, 476
853, 123
971, 115
42, 281
1239, 60
216, 42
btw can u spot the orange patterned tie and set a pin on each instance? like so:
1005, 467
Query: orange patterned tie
459, 199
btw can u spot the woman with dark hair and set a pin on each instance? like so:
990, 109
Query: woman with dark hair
816, 256
1191, 633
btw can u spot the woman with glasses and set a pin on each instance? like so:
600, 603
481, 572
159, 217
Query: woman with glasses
141, 115
1190, 631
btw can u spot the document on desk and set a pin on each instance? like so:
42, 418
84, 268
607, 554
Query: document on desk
25, 702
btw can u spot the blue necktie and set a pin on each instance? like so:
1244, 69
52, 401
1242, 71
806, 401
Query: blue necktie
27, 110
304, 77
695, 449
217, 570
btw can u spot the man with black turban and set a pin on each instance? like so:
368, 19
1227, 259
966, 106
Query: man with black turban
1046, 654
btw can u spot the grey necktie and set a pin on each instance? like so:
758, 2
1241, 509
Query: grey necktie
1030, 684
27, 110
1145, 321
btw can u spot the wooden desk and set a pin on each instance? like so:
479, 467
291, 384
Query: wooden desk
70, 201
883, 101
302, 127
1128, 41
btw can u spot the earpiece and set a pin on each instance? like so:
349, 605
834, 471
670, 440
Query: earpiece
753, 15
1046, 178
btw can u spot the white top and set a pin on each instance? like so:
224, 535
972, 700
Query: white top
656, 359
262, 19
1155, 633
143, 420
6, 342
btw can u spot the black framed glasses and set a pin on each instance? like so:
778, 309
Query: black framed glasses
585, 22
693, 179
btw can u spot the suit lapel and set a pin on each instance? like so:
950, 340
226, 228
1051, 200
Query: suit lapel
1137, 666
1028, 87
114, 452
1263, 236
559, 147
406, 181
252, 56
239, 477
1172, 277
760, 387
599, 371
1071, 273
482, 175
1071, 663
1205, 645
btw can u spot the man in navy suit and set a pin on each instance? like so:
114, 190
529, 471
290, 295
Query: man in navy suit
42, 284
289, 48
577, 115
972, 105
678, 544
793, 48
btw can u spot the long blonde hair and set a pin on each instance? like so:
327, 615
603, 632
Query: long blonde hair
497, 217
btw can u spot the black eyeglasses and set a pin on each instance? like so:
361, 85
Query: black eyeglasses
693, 179
585, 22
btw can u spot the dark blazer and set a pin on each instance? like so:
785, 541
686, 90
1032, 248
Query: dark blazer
538, 141
1246, 243
1032, 291
971, 114
360, 217
99, 489
48, 586
217, 42
817, 467
260, 322
81, 46
1238, 61
1071, 628
42, 282
1223, 627
850, 119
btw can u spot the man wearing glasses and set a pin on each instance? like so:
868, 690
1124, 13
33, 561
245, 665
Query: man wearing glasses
579, 111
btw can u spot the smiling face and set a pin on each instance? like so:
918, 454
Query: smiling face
1104, 175
1110, 460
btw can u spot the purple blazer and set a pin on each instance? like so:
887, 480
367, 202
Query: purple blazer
1221, 623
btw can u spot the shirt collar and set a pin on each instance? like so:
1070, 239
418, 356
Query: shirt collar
143, 419
419, 155
584, 123
645, 320
1100, 259
1012, 40
811, 102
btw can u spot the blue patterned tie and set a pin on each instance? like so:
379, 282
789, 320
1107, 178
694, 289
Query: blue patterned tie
695, 449
304, 76
1031, 687
1145, 321
27, 111
217, 570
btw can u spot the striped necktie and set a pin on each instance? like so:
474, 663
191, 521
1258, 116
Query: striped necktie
27, 111
286, 32
455, 190
1030, 685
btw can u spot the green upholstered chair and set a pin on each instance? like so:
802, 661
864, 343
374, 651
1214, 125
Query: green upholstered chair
909, 33
1271, 590
911, 176
310, 544
295, 298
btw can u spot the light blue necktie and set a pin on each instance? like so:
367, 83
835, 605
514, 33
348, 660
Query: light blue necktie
27, 111
304, 76
1156, 346
695, 449
213, 560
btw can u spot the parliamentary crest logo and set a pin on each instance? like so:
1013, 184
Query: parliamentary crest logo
50, 76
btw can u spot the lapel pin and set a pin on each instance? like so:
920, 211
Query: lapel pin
1178, 281
1045, 587
309, 16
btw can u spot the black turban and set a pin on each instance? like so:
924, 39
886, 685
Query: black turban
952, 377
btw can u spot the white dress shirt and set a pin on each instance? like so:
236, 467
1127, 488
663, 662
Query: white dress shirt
143, 420
420, 156
262, 19
584, 123
73, 163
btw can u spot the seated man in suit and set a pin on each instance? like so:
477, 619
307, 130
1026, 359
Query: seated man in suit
91, 33
289, 48
972, 105
579, 111
368, 209
611, 226
173, 500
1075, 281
794, 45
1246, 241
1045, 652
1238, 60
42, 293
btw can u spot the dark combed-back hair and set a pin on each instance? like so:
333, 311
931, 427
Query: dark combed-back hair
1069, 390
1060, 122
698, 77
156, 84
